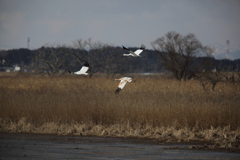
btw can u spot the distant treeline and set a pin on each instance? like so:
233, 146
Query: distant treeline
110, 57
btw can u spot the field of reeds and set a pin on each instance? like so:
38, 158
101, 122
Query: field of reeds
149, 107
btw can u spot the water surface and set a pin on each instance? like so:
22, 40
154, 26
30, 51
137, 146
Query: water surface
31, 146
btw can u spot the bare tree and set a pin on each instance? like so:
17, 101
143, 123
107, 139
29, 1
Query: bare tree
209, 79
210, 75
80, 51
106, 59
51, 60
177, 53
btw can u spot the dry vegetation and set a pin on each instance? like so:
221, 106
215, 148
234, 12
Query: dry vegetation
152, 107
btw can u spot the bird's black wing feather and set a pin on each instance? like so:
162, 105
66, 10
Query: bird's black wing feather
118, 90
125, 48
86, 64
142, 47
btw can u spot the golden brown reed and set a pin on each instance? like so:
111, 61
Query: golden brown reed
150, 107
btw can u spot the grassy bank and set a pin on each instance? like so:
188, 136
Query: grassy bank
148, 107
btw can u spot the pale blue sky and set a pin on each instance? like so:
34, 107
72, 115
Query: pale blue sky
118, 22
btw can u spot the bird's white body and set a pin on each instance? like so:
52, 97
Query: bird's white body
123, 82
82, 71
136, 53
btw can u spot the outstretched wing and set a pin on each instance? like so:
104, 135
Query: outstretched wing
134, 54
126, 49
122, 84
83, 70
129, 79
138, 51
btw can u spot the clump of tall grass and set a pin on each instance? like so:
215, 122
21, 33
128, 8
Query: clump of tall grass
145, 103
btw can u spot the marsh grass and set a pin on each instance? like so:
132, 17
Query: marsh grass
148, 106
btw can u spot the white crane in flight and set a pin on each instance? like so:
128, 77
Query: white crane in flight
82, 71
136, 53
123, 82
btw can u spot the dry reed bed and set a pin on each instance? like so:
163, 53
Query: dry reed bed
149, 107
